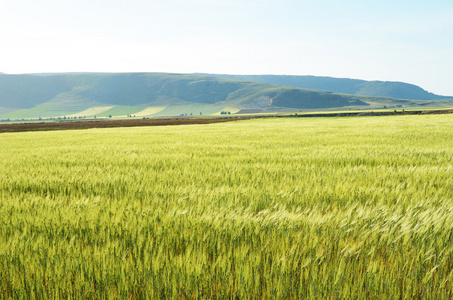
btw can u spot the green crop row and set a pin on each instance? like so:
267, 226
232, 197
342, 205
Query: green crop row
258, 209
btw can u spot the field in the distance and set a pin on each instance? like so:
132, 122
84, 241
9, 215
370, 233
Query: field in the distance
270, 208
46, 112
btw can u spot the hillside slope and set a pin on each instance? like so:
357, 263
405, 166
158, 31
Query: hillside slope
157, 89
390, 89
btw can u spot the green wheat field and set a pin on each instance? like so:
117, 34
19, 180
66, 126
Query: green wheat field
301, 208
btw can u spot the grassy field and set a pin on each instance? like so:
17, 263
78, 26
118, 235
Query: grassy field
117, 111
195, 109
44, 111
149, 111
92, 111
271, 208
121, 111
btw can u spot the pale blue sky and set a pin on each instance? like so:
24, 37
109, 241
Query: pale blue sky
397, 40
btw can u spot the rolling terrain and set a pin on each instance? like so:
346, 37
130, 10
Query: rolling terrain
391, 89
90, 95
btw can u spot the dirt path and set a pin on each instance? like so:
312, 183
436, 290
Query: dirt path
71, 125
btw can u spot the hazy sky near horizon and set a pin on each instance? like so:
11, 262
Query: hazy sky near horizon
395, 40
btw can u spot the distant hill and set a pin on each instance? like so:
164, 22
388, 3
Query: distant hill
132, 89
24, 91
390, 89
164, 94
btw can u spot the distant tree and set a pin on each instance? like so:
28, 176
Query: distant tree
110, 116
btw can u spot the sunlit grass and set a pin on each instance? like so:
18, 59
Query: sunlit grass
275, 208
92, 111
150, 111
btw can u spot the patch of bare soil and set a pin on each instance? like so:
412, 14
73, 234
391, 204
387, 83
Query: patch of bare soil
72, 125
